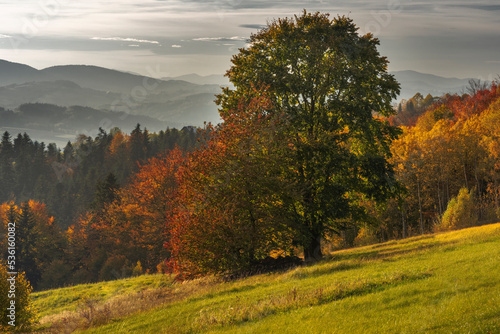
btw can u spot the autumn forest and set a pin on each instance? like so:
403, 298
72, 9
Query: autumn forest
313, 155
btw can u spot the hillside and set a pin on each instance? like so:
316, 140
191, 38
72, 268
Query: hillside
213, 79
433, 283
415, 82
173, 101
411, 83
104, 79
59, 92
14, 73
177, 103
56, 124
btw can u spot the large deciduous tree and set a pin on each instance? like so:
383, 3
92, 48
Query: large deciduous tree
329, 82
231, 208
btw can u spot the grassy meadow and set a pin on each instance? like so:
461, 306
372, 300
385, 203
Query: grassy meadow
436, 283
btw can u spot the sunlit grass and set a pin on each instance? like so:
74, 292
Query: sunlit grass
437, 283
68, 299
81, 306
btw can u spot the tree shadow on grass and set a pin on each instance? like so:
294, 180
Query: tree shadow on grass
379, 252
320, 270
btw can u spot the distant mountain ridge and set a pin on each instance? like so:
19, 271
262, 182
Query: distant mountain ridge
55, 124
413, 82
175, 88
172, 101
160, 103
58, 92
213, 79
104, 79
15, 73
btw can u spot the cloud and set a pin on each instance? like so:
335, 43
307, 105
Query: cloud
485, 7
253, 26
121, 39
414, 34
220, 39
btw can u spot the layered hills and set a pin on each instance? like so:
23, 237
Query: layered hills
106, 98
155, 103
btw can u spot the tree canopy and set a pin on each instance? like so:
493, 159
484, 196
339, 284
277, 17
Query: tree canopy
328, 84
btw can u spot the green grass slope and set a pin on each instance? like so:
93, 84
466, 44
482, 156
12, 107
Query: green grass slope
67, 309
442, 283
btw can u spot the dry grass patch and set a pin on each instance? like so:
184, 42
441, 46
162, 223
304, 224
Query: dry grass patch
93, 311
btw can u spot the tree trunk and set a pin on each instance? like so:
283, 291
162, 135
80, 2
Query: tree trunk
465, 174
404, 222
420, 208
495, 189
440, 202
312, 252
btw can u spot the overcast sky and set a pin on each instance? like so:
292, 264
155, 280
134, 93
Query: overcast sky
162, 38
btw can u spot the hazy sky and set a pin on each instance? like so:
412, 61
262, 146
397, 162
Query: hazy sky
451, 38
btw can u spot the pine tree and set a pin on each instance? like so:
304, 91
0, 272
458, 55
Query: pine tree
25, 245
68, 152
7, 173
106, 193
6, 148
137, 149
